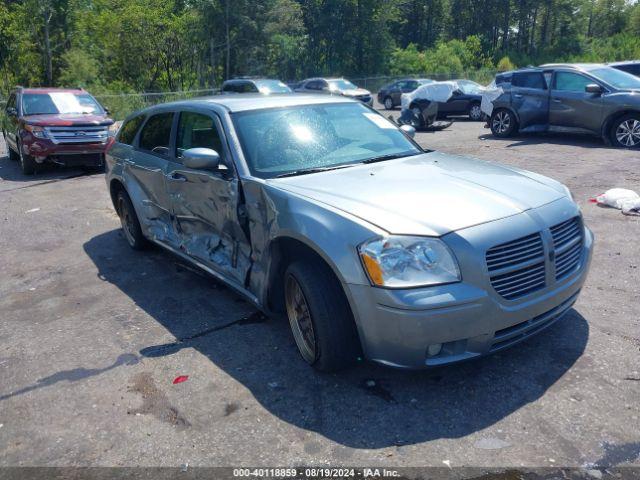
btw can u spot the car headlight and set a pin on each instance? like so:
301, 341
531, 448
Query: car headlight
113, 129
402, 262
36, 131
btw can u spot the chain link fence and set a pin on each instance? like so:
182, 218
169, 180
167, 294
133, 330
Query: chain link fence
122, 104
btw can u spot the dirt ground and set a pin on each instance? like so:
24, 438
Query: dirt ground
93, 335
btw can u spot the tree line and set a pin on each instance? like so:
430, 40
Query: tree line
159, 45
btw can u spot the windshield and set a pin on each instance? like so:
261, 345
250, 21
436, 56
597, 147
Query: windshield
616, 78
59, 102
341, 84
470, 88
272, 86
285, 140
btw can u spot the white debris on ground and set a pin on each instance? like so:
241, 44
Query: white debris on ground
621, 198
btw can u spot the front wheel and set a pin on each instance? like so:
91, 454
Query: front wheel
625, 132
319, 315
129, 221
28, 164
503, 123
388, 103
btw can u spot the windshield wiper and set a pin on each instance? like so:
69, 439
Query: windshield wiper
391, 156
306, 171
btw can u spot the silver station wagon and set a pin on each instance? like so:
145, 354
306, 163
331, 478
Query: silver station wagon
319, 208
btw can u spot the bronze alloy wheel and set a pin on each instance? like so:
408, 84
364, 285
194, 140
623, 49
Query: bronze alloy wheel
126, 219
300, 319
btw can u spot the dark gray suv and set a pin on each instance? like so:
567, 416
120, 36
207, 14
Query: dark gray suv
574, 98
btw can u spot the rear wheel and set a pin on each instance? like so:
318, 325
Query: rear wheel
129, 220
475, 113
388, 103
625, 132
28, 164
503, 123
319, 316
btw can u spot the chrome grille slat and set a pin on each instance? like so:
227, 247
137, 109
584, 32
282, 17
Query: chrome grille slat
77, 134
567, 242
517, 268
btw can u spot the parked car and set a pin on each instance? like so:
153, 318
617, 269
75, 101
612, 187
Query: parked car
578, 98
55, 125
320, 208
335, 86
390, 94
464, 99
632, 67
265, 86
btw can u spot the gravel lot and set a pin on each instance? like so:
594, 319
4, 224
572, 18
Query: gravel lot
85, 384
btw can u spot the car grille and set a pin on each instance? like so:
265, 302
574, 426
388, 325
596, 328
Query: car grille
90, 134
517, 268
567, 244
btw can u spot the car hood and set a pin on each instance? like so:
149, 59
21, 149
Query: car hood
67, 120
428, 194
355, 92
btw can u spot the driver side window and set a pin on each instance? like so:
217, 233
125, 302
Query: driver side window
197, 130
571, 82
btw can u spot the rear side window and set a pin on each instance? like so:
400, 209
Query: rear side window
196, 130
529, 80
156, 133
228, 87
129, 129
503, 78
633, 69
571, 82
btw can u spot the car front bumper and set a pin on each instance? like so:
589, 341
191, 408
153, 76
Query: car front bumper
466, 319
76, 154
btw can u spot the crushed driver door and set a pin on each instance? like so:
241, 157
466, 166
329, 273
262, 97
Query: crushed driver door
205, 202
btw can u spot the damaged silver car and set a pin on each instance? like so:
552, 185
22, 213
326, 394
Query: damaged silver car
319, 208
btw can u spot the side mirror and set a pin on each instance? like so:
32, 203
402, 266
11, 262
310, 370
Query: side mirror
594, 88
106, 110
409, 130
201, 159
12, 112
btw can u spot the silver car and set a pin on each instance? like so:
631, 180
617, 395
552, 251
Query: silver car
335, 86
320, 208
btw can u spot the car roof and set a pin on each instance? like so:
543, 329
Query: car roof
255, 101
50, 90
575, 66
626, 62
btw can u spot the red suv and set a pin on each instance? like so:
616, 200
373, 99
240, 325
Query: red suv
55, 125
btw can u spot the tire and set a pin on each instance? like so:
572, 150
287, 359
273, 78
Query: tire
475, 113
320, 318
625, 131
27, 163
419, 122
388, 103
503, 123
129, 220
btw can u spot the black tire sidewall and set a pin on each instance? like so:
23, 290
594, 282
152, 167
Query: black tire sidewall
27, 163
124, 202
336, 340
385, 103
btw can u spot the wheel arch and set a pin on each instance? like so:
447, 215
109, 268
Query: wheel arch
608, 123
285, 249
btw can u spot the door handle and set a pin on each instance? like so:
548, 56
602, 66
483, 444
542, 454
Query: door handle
176, 177
557, 100
517, 95
127, 161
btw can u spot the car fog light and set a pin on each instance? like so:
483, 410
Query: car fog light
433, 350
